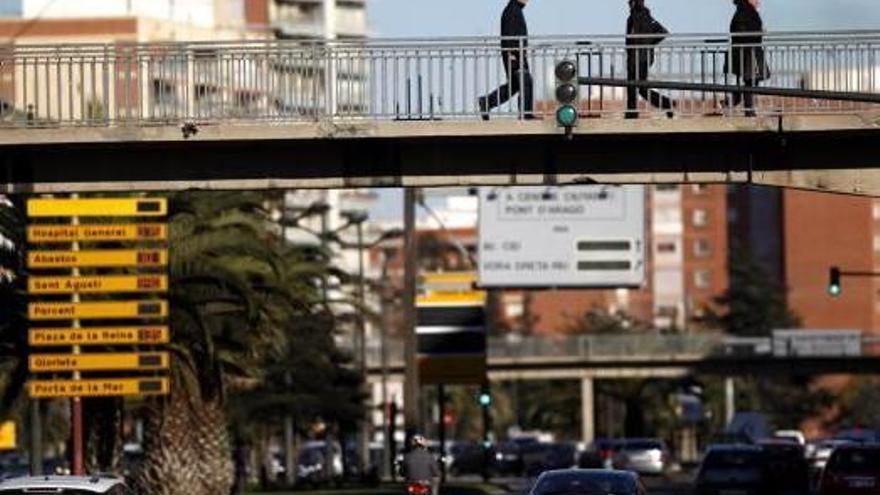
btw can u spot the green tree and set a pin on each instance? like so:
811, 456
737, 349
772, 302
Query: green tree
754, 306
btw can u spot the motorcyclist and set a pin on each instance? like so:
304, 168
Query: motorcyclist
419, 465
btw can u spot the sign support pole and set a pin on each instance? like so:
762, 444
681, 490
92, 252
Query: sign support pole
76, 403
412, 411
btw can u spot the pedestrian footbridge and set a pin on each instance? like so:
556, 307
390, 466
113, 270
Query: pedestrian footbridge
284, 114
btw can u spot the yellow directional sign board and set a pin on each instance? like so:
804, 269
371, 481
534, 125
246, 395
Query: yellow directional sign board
45, 389
97, 310
98, 259
132, 361
8, 439
65, 337
98, 207
473, 298
71, 233
97, 285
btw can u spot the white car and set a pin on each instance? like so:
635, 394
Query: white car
793, 435
61, 485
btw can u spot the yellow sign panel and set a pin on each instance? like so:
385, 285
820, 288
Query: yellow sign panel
133, 361
97, 310
65, 337
98, 259
8, 439
70, 233
95, 285
473, 298
45, 389
98, 207
449, 278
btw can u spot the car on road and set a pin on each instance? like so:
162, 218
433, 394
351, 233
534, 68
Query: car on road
64, 485
819, 456
600, 454
852, 470
733, 470
540, 457
792, 435
588, 482
787, 462
506, 459
646, 456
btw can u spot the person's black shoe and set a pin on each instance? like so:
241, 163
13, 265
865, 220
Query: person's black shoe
631, 115
530, 116
751, 113
483, 104
670, 114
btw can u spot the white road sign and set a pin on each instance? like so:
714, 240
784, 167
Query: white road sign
573, 236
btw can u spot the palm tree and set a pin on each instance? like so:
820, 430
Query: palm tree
238, 300
13, 302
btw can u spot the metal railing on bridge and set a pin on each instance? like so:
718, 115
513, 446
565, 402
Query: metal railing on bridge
289, 81
656, 347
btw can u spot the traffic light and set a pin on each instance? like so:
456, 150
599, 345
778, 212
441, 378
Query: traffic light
834, 287
485, 398
567, 94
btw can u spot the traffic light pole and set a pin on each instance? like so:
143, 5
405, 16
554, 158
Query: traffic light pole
485, 405
441, 428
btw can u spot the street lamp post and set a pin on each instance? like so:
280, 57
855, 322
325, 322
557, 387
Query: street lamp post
358, 218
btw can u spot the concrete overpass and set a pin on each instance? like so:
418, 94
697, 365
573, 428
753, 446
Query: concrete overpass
650, 356
403, 113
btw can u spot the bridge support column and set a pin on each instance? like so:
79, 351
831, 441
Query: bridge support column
588, 410
729, 400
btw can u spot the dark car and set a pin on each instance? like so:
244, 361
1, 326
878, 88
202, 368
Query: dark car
467, 458
788, 464
588, 482
600, 454
852, 470
506, 459
541, 457
733, 470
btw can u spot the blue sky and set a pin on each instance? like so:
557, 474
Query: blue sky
419, 18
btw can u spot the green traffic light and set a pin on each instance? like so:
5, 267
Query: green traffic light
834, 286
485, 400
566, 116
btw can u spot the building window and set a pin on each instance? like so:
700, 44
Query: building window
877, 243
876, 211
702, 248
666, 187
666, 247
702, 279
700, 217
699, 188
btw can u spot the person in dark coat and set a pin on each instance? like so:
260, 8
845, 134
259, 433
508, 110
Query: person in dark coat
746, 60
514, 33
643, 31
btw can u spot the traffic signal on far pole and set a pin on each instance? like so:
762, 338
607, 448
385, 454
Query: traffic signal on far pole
485, 398
567, 94
834, 287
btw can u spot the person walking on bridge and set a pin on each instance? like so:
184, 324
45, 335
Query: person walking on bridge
514, 42
642, 33
746, 59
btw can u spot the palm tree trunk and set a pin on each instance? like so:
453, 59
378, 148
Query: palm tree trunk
187, 449
103, 434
